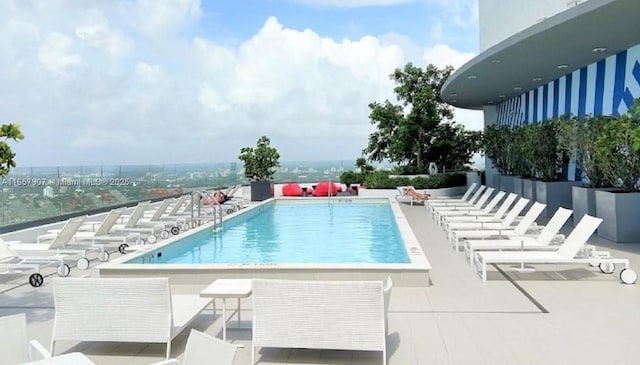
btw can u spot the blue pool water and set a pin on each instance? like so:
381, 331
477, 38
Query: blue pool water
295, 232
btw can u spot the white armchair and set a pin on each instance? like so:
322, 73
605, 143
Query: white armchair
14, 345
201, 349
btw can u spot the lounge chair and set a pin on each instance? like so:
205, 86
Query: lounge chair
540, 242
100, 232
567, 253
202, 348
15, 347
431, 207
62, 244
499, 230
475, 215
478, 206
402, 197
152, 230
13, 262
481, 222
464, 197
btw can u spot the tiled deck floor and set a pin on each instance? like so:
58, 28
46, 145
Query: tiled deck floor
591, 317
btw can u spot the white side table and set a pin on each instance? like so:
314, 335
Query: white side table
227, 288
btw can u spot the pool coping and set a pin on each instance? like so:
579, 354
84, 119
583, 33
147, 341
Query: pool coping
414, 273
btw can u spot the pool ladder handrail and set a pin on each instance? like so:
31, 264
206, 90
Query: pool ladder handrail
217, 216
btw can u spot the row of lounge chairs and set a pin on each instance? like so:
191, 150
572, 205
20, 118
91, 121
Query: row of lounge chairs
145, 224
505, 237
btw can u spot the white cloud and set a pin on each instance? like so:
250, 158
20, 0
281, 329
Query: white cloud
96, 88
56, 54
442, 55
353, 3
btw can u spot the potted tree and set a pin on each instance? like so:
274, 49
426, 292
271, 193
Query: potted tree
548, 159
260, 165
618, 149
495, 145
521, 150
578, 138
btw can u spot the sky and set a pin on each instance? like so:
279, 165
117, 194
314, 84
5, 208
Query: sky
189, 81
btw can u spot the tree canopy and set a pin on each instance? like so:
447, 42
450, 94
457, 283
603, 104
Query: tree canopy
8, 131
420, 127
260, 162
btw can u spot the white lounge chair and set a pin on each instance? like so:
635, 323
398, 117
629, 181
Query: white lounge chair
472, 216
13, 262
15, 347
482, 222
202, 348
499, 231
62, 244
431, 207
404, 198
478, 208
567, 253
540, 242
158, 217
464, 198
152, 231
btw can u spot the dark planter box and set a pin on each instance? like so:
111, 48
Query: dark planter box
619, 213
529, 190
584, 202
517, 185
495, 181
555, 194
506, 183
261, 190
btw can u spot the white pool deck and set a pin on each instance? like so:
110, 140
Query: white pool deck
556, 315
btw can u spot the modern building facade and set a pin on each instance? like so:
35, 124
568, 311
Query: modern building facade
547, 58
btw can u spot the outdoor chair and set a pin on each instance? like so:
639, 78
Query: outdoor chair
15, 347
497, 230
472, 216
477, 207
567, 253
201, 349
13, 262
542, 241
481, 222
464, 197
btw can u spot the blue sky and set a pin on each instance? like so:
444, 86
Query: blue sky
189, 81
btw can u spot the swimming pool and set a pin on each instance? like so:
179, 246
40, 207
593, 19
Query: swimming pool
295, 232
362, 239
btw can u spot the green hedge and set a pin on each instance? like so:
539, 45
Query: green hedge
381, 180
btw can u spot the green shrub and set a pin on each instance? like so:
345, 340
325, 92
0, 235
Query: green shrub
381, 180
352, 178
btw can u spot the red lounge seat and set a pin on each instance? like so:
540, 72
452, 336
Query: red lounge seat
292, 189
322, 189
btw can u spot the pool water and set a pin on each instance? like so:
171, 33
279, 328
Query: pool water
295, 232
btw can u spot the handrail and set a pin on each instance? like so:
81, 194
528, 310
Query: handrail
216, 215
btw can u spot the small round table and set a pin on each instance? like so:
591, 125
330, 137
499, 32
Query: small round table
227, 288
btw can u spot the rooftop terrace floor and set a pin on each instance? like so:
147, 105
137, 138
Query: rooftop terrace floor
557, 315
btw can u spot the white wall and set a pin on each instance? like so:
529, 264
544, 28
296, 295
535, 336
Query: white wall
500, 19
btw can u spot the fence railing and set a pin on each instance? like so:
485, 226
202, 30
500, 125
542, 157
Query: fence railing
34, 194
